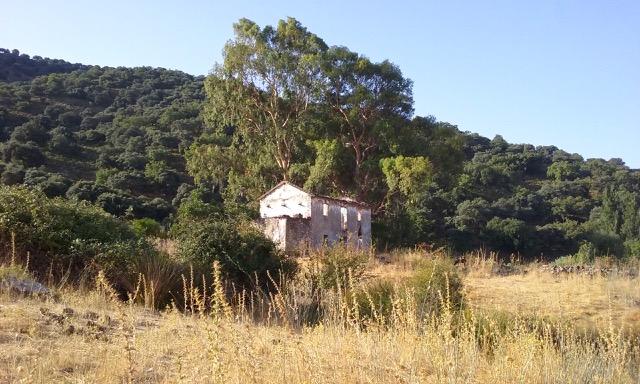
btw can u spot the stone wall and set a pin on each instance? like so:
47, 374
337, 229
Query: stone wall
332, 223
295, 219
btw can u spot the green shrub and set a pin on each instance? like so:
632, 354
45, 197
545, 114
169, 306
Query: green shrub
434, 287
566, 260
60, 233
586, 253
246, 256
632, 248
375, 300
147, 227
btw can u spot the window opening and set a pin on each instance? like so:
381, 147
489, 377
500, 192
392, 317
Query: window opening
343, 213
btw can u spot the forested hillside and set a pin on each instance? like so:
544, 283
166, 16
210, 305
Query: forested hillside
113, 136
139, 142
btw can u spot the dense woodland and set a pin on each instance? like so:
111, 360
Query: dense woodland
151, 143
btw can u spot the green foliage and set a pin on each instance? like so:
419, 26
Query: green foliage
247, 257
24, 155
375, 300
407, 175
30, 132
97, 121
61, 233
586, 253
200, 205
330, 164
283, 105
559, 238
434, 287
264, 88
20, 67
52, 185
12, 174
632, 248
369, 104
509, 234
147, 227
563, 171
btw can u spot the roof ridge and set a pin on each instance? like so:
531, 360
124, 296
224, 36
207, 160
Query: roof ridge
312, 194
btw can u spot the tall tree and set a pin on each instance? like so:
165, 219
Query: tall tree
265, 87
371, 101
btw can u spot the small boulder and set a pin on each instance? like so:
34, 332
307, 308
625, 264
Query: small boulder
25, 286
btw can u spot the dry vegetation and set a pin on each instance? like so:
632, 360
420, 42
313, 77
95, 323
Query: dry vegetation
531, 327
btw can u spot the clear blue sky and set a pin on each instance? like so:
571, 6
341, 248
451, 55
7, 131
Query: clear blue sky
563, 73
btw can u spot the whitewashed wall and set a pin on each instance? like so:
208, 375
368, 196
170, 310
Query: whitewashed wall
286, 201
294, 218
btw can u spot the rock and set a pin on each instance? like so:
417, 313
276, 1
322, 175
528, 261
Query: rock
25, 286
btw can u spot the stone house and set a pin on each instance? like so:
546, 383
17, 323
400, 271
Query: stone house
296, 219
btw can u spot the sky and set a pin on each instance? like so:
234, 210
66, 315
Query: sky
563, 73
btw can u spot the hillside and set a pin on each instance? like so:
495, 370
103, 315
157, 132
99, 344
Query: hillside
113, 136
134, 142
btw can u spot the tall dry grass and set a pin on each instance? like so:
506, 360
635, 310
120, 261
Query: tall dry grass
289, 336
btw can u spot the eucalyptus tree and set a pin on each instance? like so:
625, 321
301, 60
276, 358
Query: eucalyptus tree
370, 102
266, 85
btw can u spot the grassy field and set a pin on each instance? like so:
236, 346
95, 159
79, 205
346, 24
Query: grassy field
529, 325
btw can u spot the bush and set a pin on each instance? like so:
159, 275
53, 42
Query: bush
632, 248
60, 233
147, 227
375, 301
247, 257
586, 253
434, 288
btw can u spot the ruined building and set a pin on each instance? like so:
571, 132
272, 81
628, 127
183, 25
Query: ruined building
295, 219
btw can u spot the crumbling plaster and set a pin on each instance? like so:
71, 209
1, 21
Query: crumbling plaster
294, 218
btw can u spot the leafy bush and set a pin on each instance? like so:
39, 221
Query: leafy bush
375, 300
632, 248
147, 227
434, 287
62, 233
586, 253
247, 257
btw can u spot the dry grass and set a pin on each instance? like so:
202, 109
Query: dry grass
90, 337
586, 301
